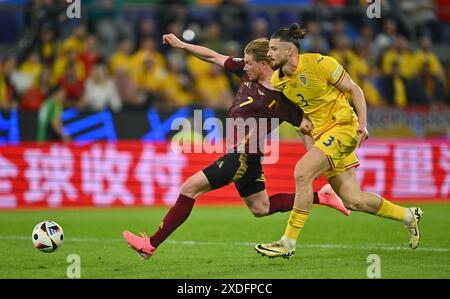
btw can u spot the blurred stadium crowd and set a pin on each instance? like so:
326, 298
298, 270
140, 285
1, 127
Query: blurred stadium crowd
113, 56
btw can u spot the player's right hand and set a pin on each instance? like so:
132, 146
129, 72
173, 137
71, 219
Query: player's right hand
173, 41
306, 127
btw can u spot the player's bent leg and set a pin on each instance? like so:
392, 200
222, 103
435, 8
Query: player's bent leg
251, 187
191, 189
346, 185
258, 203
409, 216
311, 165
195, 186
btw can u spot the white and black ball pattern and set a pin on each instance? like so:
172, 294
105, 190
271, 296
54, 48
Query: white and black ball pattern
47, 236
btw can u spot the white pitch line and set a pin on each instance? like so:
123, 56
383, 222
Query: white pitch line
336, 246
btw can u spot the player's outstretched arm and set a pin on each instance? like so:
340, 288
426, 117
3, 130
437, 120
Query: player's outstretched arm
202, 53
347, 85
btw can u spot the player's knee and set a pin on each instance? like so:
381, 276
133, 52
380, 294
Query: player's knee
302, 176
189, 189
260, 210
258, 213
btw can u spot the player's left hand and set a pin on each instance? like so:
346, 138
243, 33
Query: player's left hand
172, 40
363, 134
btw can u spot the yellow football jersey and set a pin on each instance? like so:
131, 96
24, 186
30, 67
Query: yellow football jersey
313, 88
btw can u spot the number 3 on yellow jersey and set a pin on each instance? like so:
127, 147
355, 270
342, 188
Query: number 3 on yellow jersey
302, 100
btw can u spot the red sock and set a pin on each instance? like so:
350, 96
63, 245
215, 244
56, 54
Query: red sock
283, 202
173, 219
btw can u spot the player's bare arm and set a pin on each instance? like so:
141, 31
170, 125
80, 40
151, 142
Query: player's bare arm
200, 52
347, 85
308, 141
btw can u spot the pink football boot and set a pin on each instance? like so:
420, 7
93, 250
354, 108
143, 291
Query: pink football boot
140, 244
329, 198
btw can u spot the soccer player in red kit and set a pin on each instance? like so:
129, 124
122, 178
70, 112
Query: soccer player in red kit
256, 98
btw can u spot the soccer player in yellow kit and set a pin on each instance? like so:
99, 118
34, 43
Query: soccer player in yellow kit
318, 84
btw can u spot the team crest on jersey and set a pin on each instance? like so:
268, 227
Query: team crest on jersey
237, 59
303, 79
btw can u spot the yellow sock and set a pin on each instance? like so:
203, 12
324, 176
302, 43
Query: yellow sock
391, 211
295, 223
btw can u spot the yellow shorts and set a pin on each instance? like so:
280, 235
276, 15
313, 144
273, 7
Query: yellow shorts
339, 144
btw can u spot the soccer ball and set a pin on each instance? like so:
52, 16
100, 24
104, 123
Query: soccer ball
47, 236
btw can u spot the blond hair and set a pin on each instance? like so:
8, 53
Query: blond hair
258, 48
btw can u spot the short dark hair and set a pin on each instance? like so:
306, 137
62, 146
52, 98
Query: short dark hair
292, 34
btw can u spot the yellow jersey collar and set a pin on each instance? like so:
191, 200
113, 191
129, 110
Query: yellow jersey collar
280, 82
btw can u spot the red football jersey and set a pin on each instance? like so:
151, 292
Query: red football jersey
256, 102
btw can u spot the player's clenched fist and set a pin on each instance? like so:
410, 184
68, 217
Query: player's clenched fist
173, 41
306, 127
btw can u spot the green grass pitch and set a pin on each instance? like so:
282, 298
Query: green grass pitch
217, 242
